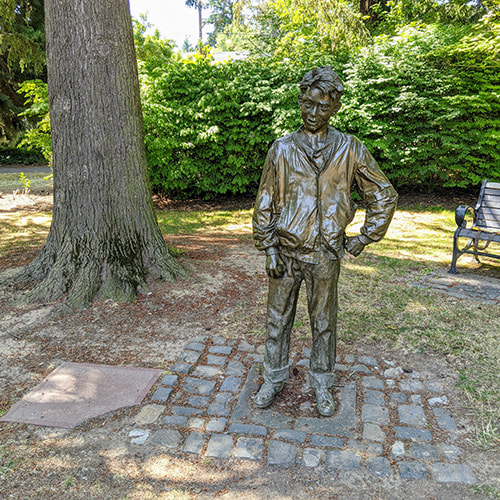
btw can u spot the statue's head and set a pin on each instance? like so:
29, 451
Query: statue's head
319, 99
324, 79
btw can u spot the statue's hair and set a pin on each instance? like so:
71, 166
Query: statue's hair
324, 79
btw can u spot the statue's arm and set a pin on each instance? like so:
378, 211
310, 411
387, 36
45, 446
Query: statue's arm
264, 218
380, 198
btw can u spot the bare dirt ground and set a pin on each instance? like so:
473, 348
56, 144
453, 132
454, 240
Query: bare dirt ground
225, 295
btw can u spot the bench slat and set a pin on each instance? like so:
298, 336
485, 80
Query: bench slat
484, 236
493, 185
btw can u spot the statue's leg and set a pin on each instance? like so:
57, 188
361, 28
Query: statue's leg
281, 307
321, 281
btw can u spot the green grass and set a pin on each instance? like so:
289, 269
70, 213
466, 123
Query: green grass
12, 182
237, 222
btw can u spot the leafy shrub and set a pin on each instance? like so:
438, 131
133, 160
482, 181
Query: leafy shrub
426, 107
208, 127
10, 156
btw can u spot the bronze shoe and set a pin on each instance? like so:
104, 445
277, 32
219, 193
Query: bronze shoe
324, 402
266, 394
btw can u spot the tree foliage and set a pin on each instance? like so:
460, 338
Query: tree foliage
22, 56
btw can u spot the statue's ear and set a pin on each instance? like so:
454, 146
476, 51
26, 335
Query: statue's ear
300, 100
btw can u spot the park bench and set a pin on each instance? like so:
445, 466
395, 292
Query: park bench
485, 225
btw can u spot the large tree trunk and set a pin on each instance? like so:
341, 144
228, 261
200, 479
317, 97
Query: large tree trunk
104, 239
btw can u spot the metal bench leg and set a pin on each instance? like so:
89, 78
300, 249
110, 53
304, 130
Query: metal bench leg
453, 267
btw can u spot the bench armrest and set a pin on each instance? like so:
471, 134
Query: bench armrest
460, 213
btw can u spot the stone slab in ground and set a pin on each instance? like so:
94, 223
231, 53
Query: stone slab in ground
75, 392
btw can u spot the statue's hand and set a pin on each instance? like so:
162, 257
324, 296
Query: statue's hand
275, 267
354, 246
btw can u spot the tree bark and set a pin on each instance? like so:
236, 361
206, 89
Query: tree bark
104, 240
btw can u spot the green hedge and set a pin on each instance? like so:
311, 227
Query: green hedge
208, 127
428, 112
10, 156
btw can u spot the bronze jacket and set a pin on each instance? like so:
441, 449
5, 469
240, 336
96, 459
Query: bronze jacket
304, 199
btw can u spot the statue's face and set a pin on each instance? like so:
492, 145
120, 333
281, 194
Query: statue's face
316, 110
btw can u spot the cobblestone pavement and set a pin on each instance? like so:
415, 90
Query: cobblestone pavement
462, 286
389, 423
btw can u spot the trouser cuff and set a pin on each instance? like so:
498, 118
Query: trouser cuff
321, 380
276, 375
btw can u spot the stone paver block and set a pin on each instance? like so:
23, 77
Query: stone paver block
196, 423
254, 357
279, 453
194, 443
453, 473
398, 449
190, 357
198, 401
368, 360
205, 371
450, 451
374, 397
224, 398
412, 415
186, 411
251, 448
411, 386
365, 448
199, 386
359, 368
254, 430
216, 360
375, 414
167, 437
311, 457
444, 419
220, 349
218, 409
149, 414
245, 346
413, 433
342, 459
412, 470
181, 367
231, 384
379, 466
349, 359
326, 441
394, 372
422, 450
138, 436
162, 394
398, 397
175, 420
290, 435
416, 399
219, 446
216, 424
372, 432
236, 368
438, 400
219, 340
306, 352
195, 346
373, 383
169, 380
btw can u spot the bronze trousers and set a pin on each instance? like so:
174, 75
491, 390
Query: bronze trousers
321, 286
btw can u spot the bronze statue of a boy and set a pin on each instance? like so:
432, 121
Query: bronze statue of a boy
303, 207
